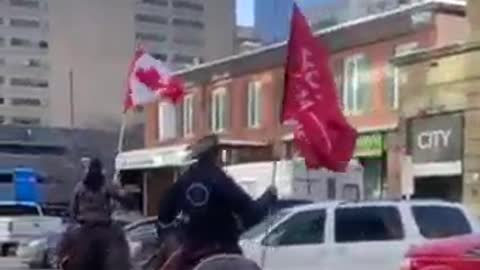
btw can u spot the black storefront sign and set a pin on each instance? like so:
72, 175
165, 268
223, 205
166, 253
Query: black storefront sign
436, 139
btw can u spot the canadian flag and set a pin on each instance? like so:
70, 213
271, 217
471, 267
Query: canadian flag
150, 80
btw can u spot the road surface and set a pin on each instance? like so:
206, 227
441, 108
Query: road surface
11, 264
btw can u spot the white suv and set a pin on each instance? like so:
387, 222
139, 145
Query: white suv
346, 236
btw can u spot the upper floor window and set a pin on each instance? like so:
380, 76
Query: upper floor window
2, 80
188, 23
26, 102
29, 82
254, 104
27, 43
218, 111
25, 23
188, 5
149, 18
1, 20
357, 92
150, 37
26, 121
188, 115
25, 3
183, 59
189, 41
166, 121
2, 42
156, 2
2, 100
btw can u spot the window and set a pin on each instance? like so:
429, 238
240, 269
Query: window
148, 18
439, 222
254, 104
160, 56
357, 94
188, 23
18, 210
365, 224
25, 3
21, 42
26, 23
26, 121
29, 82
26, 102
263, 226
183, 59
167, 121
2, 121
219, 120
392, 75
189, 41
188, 5
156, 2
150, 37
338, 72
2, 80
331, 188
305, 228
2, 100
2, 42
1, 20
188, 115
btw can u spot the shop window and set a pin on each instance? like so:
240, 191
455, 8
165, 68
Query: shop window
188, 115
357, 90
167, 121
218, 110
363, 224
254, 104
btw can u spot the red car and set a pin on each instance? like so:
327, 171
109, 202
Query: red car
456, 253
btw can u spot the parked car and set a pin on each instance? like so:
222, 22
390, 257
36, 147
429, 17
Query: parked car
40, 252
456, 253
352, 235
22, 221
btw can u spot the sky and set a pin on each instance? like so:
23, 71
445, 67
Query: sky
245, 12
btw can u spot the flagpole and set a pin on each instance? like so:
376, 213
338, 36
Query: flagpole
121, 138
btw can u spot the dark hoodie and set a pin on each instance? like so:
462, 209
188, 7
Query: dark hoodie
92, 197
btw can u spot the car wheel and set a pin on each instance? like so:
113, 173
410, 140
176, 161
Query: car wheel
50, 261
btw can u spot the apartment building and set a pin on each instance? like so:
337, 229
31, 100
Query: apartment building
24, 64
63, 63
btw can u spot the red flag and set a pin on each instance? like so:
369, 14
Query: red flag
322, 134
149, 80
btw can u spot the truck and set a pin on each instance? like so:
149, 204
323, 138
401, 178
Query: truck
20, 184
294, 181
23, 221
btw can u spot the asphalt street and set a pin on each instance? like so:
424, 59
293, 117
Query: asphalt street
11, 264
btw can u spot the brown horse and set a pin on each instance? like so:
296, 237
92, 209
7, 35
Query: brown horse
94, 248
169, 257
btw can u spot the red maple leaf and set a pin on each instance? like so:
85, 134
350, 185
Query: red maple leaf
150, 77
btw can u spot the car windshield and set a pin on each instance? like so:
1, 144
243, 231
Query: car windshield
18, 210
263, 226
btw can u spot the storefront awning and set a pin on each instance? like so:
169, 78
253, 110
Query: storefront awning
174, 156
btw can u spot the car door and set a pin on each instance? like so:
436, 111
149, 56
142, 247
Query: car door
297, 243
367, 238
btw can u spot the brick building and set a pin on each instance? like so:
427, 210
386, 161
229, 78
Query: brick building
240, 97
439, 115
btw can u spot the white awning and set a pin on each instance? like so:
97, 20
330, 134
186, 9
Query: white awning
241, 142
172, 156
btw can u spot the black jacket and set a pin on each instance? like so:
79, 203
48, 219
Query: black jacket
213, 205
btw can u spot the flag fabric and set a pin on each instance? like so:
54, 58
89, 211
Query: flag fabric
149, 80
322, 134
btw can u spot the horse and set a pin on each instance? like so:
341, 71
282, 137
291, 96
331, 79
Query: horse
93, 247
166, 257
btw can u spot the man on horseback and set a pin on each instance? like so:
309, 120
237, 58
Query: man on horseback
91, 208
209, 208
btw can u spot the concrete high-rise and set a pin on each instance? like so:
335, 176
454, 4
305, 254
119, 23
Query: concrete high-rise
64, 62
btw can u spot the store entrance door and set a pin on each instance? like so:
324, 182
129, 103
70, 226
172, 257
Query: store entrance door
448, 188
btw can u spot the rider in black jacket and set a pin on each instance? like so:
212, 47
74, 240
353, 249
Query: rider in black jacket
209, 205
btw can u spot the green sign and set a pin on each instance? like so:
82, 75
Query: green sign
369, 145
